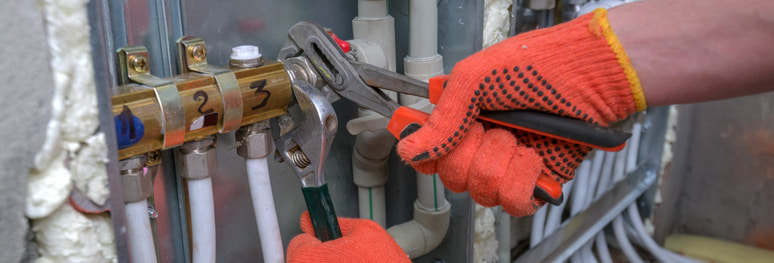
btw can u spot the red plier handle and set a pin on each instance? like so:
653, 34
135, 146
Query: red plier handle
546, 124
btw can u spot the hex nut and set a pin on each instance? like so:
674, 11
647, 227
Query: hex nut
136, 185
132, 163
255, 140
196, 164
299, 68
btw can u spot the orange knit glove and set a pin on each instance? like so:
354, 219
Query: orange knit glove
577, 69
362, 240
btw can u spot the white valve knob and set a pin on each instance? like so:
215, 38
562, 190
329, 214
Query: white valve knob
246, 56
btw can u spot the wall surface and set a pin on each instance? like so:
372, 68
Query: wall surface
721, 183
26, 88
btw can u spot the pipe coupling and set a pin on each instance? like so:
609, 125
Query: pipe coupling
300, 69
255, 140
136, 184
196, 159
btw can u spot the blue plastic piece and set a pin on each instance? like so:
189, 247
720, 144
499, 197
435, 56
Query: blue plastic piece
129, 128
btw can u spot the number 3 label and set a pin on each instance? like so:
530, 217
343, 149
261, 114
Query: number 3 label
258, 87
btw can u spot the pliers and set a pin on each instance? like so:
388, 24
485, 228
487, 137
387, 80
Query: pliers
361, 83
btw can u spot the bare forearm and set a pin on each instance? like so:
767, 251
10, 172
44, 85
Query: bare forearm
693, 51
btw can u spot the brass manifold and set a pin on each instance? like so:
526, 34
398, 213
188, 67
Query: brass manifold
152, 114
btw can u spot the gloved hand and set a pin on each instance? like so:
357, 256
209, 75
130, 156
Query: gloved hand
577, 69
362, 241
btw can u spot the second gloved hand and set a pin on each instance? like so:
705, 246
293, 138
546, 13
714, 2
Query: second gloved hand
577, 70
362, 240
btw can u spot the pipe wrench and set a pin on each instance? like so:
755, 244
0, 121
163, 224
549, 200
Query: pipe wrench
362, 83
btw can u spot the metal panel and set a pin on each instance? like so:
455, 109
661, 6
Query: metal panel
101, 43
223, 25
722, 177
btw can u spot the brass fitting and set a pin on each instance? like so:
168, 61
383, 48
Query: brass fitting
255, 140
136, 184
196, 159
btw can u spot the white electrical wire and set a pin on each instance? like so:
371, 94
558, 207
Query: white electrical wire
588, 256
601, 173
538, 222
265, 212
619, 173
202, 220
584, 201
604, 170
634, 215
623, 241
582, 178
602, 250
555, 215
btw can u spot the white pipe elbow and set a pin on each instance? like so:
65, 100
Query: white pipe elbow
369, 159
424, 233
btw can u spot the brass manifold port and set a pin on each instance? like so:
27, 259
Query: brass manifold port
152, 114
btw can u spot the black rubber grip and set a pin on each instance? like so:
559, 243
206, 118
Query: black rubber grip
573, 130
321, 212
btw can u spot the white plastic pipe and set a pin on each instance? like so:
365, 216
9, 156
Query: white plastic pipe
423, 21
371, 8
430, 193
431, 210
202, 220
423, 61
138, 228
265, 212
369, 172
371, 203
424, 233
375, 25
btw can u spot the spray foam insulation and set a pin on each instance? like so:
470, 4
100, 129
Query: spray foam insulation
73, 153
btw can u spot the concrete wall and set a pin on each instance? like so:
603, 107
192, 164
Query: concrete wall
26, 87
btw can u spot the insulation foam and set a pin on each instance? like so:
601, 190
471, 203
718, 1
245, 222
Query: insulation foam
496, 21
485, 240
72, 154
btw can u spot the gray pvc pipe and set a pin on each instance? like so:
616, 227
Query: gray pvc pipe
371, 8
423, 24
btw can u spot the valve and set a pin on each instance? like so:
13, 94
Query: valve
344, 45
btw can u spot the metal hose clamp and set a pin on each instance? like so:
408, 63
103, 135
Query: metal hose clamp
193, 57
135, 67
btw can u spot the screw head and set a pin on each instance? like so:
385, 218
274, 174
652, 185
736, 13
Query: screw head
138, 63
153, 158
198, 52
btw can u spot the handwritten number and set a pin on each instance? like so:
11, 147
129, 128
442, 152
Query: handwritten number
202, 96
258, 86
